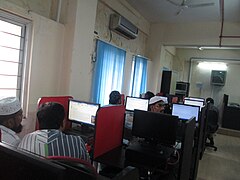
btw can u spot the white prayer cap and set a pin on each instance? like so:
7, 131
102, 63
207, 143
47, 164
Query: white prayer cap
156, 99
9, 106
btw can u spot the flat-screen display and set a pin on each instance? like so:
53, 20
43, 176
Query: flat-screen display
194, 99
195, 103
136, 103
156, 127
185, 112
82, 112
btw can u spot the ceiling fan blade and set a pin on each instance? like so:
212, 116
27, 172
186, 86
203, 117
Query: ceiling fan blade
200, 5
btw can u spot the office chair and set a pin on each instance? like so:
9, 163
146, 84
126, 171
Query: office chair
212, 127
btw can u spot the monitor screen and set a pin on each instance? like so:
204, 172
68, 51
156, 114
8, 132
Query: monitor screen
18, 164
136, 103
157, 127
195, 103
185, 112
82, 112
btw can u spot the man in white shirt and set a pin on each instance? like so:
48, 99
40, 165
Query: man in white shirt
10, 120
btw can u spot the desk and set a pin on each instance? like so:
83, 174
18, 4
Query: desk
147, 156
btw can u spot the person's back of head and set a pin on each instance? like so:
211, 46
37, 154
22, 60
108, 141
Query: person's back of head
50, 115
115, 97
210, 100
149, 95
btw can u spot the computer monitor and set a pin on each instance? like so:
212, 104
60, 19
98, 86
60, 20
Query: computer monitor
82, 112
195, 99
155, 127
136, 103
194, 102
16, 164
185, 112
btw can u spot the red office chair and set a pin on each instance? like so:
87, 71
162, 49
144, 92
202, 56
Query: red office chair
59, 99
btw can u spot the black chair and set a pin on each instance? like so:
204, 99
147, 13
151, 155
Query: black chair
212, 127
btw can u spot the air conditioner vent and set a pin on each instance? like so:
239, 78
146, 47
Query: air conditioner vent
122, 26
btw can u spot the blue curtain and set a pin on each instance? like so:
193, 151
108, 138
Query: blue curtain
109, 72
139, 76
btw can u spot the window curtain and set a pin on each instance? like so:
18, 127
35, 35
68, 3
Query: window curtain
139, 76
108, 72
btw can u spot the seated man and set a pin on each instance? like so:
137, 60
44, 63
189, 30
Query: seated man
156, 104
49, 140
10, 120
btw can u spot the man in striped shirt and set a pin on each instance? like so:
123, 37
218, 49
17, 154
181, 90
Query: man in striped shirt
50, 140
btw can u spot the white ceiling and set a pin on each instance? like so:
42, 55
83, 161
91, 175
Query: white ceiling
156, 11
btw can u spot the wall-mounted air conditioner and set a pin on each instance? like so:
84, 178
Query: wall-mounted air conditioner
122, 26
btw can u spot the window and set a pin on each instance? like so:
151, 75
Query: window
109, 70
138, 81
12, 45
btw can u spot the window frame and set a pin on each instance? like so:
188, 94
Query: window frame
24, 55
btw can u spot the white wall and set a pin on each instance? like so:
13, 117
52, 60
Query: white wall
203, 76
45, 45
185, 34
81, 67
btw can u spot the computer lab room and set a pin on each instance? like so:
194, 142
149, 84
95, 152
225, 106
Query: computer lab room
139, 89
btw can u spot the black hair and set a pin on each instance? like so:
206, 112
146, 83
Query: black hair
50, 115
210, 100
114, 97
149, 95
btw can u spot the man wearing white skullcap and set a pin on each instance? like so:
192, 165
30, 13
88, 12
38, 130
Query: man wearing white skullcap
10, 120
156, 104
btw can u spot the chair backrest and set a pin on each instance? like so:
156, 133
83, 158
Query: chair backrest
108, 129
59, 99
203, 128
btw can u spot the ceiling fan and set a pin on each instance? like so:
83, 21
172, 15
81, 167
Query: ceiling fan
184, 5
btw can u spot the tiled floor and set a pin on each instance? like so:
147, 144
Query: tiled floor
224, 164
